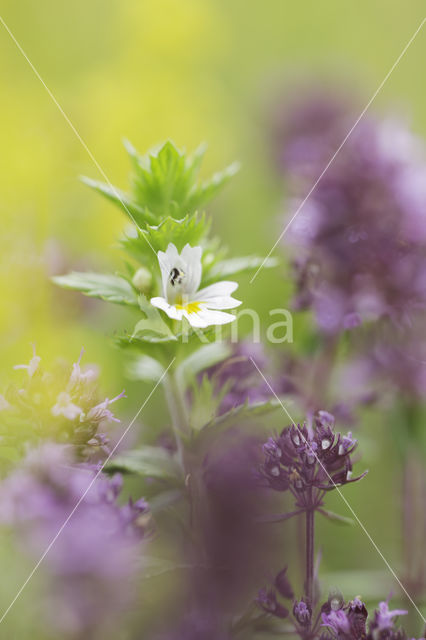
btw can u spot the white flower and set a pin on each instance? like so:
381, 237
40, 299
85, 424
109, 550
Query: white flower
65, 407
78, 377
32, 366
181, 276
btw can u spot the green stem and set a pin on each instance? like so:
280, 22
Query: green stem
178, 412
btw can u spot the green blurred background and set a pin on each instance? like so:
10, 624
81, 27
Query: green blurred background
189, 70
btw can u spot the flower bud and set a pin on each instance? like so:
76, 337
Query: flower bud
302, 612
142, 280
283, 585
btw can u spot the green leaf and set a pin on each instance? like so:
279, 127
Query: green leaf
148, 461
137, 214
144, 244
206, 356
205, 403
165, 180
234, 266
153, 325
335, 517
209, 189
97, 285
219, 424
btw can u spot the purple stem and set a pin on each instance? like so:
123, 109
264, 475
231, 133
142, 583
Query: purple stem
310, 534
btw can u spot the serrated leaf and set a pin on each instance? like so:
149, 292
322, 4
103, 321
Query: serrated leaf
147, 461
244, 411
165, 180
97, 285
209, 189
144, 244
140, 215
235, 266
205, 403
206, 356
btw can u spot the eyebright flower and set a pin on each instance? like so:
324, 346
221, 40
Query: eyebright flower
301, 459
181, 277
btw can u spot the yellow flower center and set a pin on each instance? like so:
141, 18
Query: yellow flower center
190, 307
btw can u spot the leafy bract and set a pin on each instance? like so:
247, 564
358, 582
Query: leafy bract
217, 425
109, 287
138, 215
144, 244
164, 182
147, 461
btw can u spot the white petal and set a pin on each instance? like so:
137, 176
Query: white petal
195, 319
218, 289
167, 262
172, 312
211, 317
191, 256
216, 296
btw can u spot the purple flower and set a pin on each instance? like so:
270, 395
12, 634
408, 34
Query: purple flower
359, 239
91, 565
337, 621
384, 618
301, 459
302, 611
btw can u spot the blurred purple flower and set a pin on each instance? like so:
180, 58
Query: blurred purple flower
238, 376
91, 565
360, 237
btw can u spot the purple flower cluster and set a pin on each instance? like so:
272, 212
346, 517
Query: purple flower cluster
349, 622
336, 620
91, 565
360, 237
61, 404
309, 461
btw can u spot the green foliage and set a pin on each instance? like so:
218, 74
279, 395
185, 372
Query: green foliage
206, 356
97, 285
149, 462
164, 182
143, 244
152, 327
136, 214
218, 424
